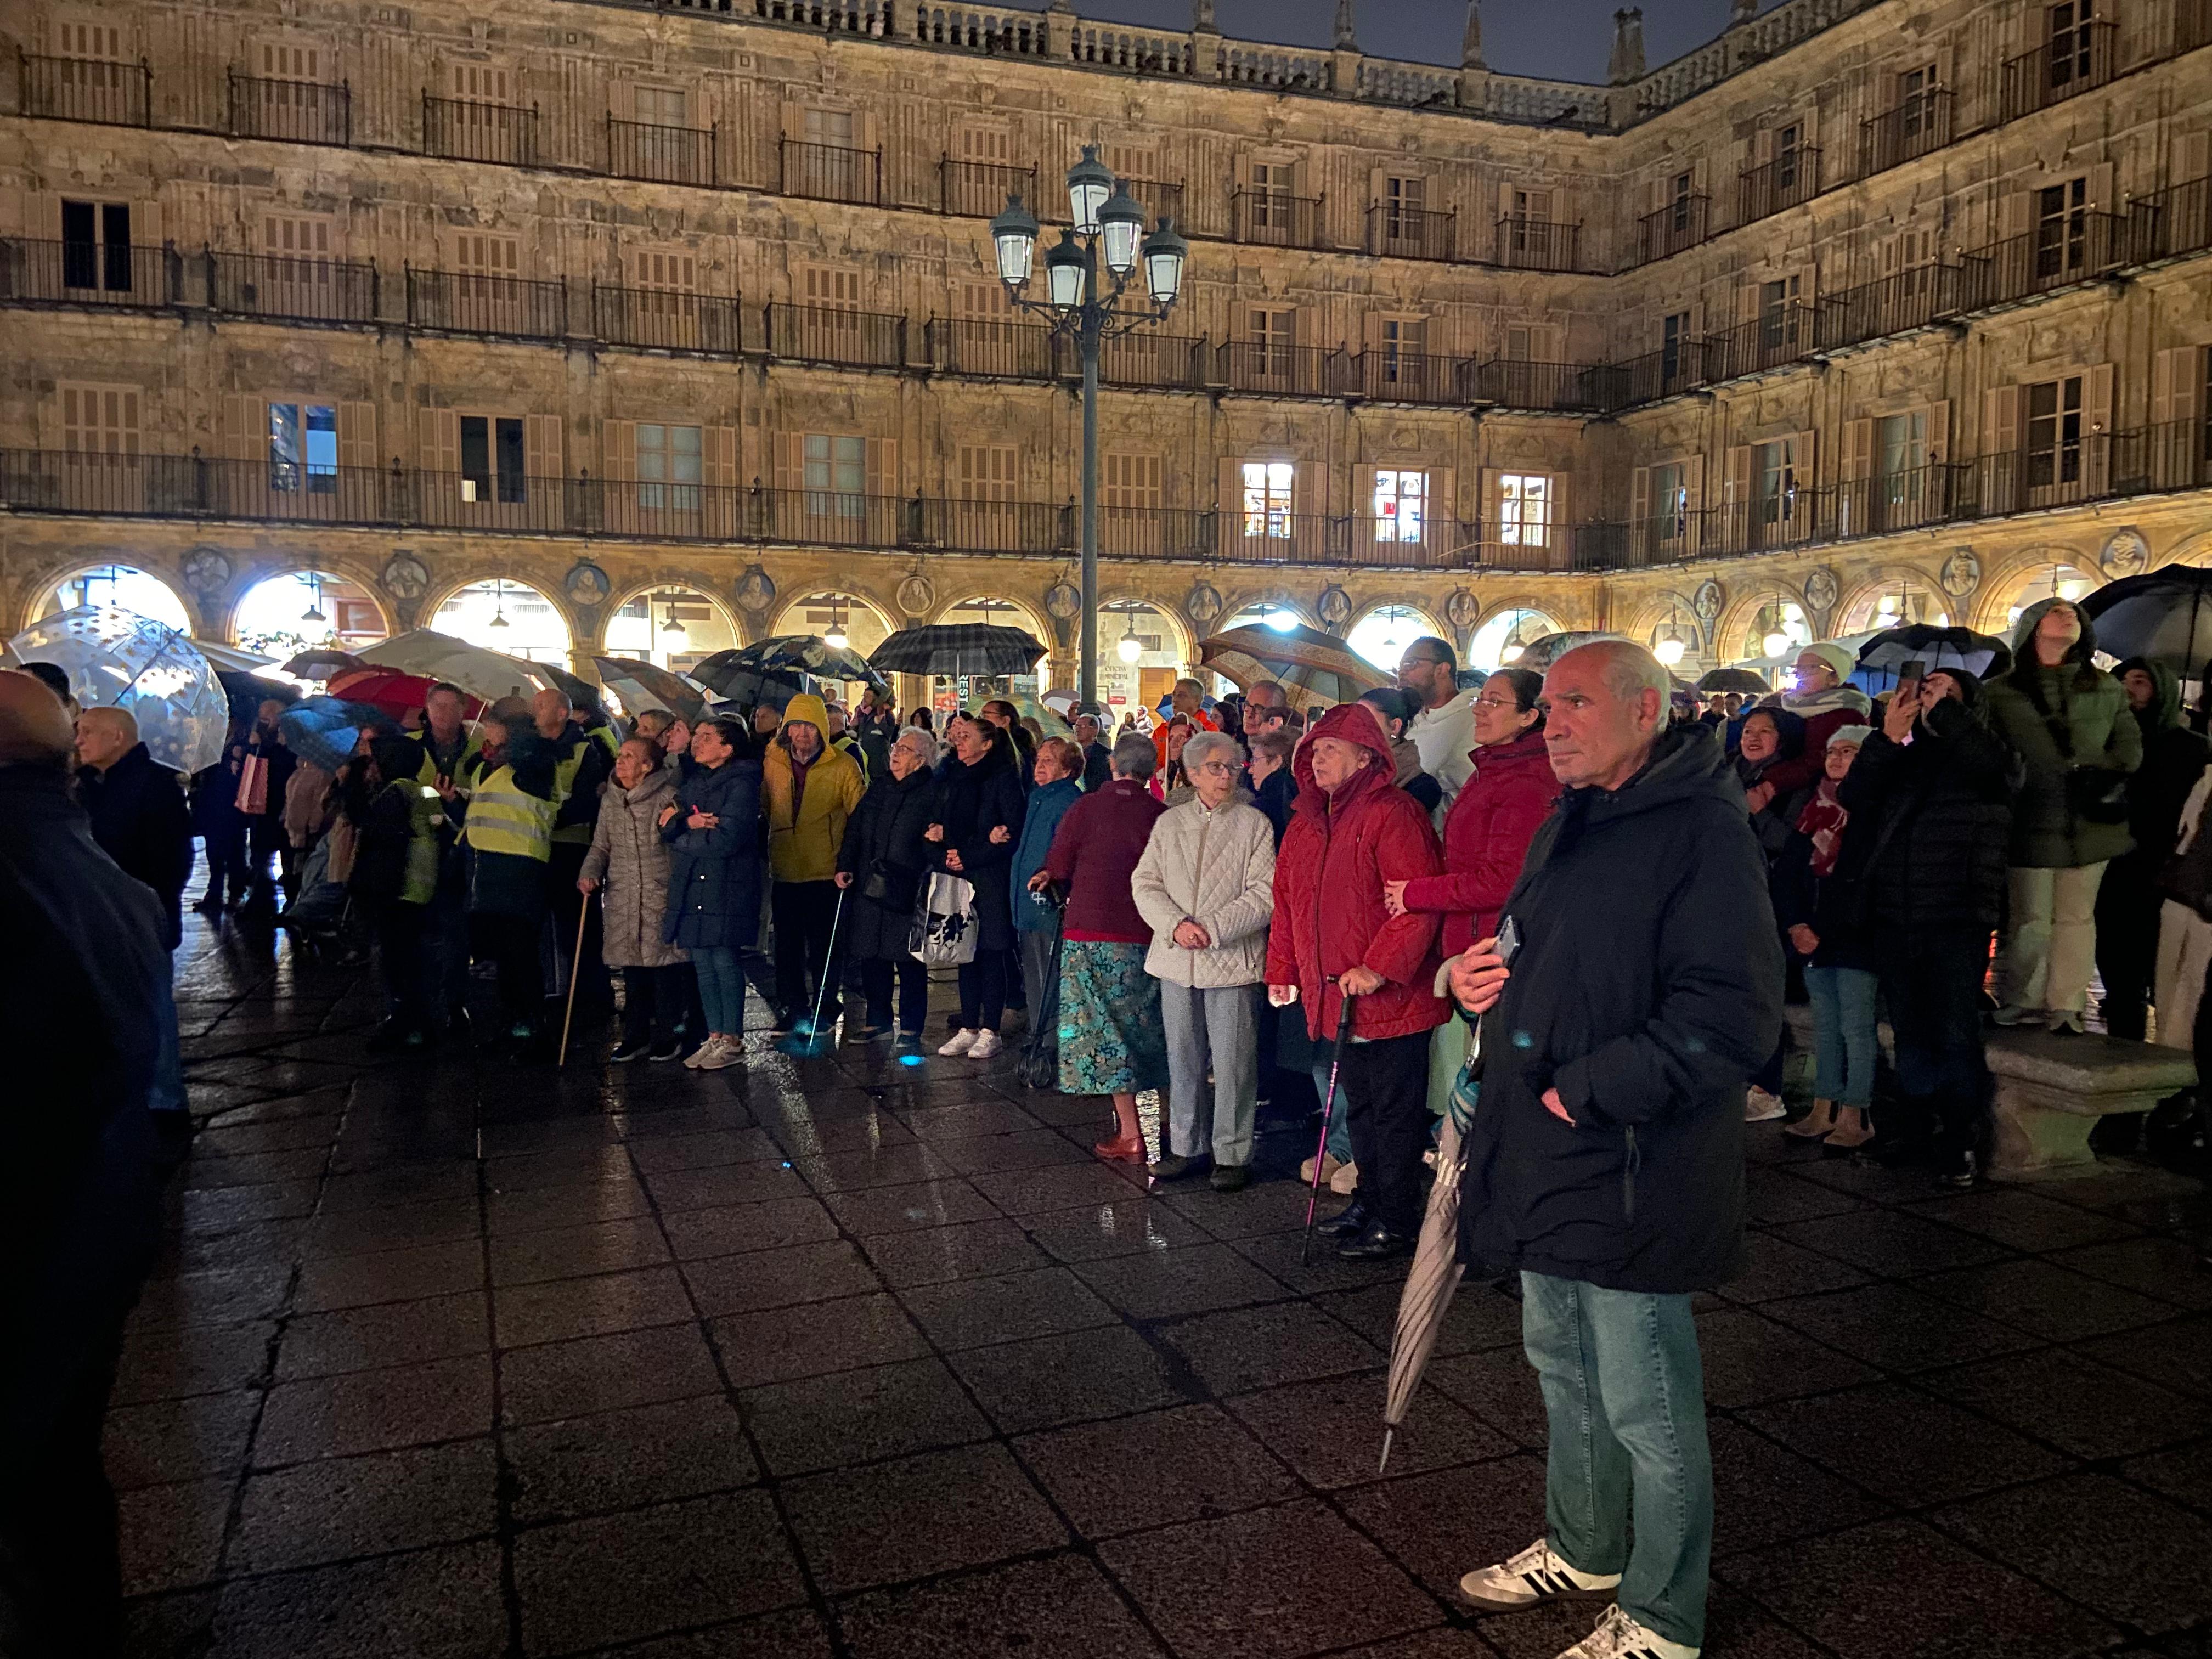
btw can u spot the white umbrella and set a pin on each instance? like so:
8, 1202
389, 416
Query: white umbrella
116, 659
489, 675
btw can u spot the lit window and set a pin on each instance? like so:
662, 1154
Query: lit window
303, 447
1268, 499
1401, 500
668, 467
835, 477
1524, 509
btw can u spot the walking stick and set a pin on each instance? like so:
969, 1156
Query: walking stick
811, 1042
575, 967
1327, 1105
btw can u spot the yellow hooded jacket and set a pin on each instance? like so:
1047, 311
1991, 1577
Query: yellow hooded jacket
803, 847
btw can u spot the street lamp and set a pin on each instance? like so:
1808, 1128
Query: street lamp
1106, 225
1130, 647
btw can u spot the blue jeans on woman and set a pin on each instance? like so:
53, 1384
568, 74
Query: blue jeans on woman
1625, 1398
1844, 1042
721, 987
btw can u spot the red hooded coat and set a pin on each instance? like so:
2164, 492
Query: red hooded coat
1330, 873
1486, 836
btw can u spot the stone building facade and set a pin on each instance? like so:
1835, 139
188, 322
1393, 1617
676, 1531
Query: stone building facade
1867, 308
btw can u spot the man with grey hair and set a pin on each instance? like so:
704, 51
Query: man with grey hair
1097, 761
1633, 986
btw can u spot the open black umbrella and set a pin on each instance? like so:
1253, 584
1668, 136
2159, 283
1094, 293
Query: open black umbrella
743, 682
791, 655
1734, 679
643, 685
2162, 615
957, 649
1888, 652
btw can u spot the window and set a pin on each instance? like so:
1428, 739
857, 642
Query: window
663, 107
1788, 141
1405, 344
1130, 480
1403, 201
1524, 509
492, 467
1777, 481
835, 475
284, 61
829, 322
835, 126
2054, 433
668, 467
1916, 100
2061, 227
481, 83
1532, 204
303, 447
1272, 186
96, 246
1670, 502
1401, 504
481, 255
1273, 333
1678, 208
1901, 464
1673, 331
99, 420
1268, 499
2069, 24
1777, 313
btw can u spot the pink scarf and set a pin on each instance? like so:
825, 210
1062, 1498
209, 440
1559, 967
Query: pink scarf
1823, 820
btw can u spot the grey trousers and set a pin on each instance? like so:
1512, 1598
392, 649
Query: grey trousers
1222, 1025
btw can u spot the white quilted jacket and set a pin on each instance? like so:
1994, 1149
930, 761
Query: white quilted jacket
1217, 868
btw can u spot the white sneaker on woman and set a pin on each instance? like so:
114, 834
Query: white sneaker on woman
719, 1052
1760, 1106
987, 1045
1620, 1637
960, 1042
1536, 1574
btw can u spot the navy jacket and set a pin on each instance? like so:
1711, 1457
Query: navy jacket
140, 820
1047, 806
884, 837
1646, 989
714, 875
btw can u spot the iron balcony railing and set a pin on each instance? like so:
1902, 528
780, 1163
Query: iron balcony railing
296, 111
35, 272
1523, 548
664, 320
662, 156
2173, 221
1389, 374
85, 89
1510, 383
297, 290
1779, 335
2073, 61
1408, 233
1678, 225
834, 173
1909, 298
465, 302
462, 129
1268, 218
1918, 123
2076, 247
1159, 200
1666, 372
1907, 498
1283, 371
1793, 176
1261, 533
2192, 25
823, 334
997, 350
1538, 244
973, 190
1143, 357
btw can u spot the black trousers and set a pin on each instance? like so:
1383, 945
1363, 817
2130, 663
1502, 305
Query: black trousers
400, 958
61, 1576
983, 990
446, 943
1931, 984
2127, 946
803, 912
511, 942
225, 862
1385, 1085
654, 999
913, 976
567, 904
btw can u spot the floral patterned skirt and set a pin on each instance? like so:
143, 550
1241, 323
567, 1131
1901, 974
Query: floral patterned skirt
1111, 1038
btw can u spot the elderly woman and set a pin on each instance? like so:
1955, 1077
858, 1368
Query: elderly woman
1110, 1039
1055, 774
978, 807
1205, 887
628, 864
881, 865
712, 827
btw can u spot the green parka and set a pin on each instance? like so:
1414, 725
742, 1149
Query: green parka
2058, 719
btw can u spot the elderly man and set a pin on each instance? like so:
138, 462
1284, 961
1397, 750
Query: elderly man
1444, 728
1097, 760
80, 979
1187, 700
580, 769
1633, 986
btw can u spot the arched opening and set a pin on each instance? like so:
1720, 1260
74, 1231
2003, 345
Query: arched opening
1775, 626
948, 692
1505, 636
2049, 581
124, 586
837, 616
508, 616
1382, 635
1140, 653
289, 613
1676, 638
1266, 613
671, 627
1899, 600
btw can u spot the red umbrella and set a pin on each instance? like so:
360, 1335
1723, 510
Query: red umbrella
397, 694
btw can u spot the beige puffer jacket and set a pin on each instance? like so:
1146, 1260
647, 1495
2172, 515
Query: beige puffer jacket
1217, 868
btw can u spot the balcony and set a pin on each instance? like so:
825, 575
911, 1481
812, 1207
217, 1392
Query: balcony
1144, 532
1912, 498
1509, 383
292, 290
1792, 177
825, 334
1160, 201
970, 190
1408, 233
996, 351
965, 526
1666, 373
85, 89
1142, 357
662, 156
1267, 218
33, 272
1919, 122
1269, 537
1539, 244
2192, 25
2173, 221
661, 319
1675, 228
466, 302
1913, 298
832, 172
1775, 338
462, 130
2075, 247
294, 111
2080, 59
1387, 374
1284, 371
1528, 549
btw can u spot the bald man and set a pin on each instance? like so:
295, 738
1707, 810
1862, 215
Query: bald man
137, 810
79, 979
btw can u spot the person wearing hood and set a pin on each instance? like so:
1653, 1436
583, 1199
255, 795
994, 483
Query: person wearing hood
976, 810
513, 797
1055, 777
1395, 709
2173, 758
809, 790
1332, 937
1634, 984
1820, 697
881, 867
628, 866
2068, 721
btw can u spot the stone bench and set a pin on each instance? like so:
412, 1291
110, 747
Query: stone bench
2051, 1091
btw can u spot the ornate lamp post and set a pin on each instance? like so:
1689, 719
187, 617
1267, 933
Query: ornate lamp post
1088, 306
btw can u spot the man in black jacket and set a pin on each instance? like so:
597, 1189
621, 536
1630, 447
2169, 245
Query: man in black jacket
137, 810
581, 764
1634, 985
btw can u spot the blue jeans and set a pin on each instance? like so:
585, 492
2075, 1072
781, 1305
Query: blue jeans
1843, 1033
721, 987
167, 1093
1625, 1397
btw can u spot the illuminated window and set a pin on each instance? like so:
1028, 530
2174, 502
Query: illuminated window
836, 474
1401, 504
1268, 499
303, 447
668, 467
1524, 509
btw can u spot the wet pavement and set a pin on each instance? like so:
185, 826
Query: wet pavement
833, 1356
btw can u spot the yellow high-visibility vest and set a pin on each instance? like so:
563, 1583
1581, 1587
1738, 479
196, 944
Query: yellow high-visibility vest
504, 818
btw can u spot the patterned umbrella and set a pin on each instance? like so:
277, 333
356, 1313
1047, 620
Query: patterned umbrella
788, 656
1311, 667
957, 649
118, 659
642, 685
324, 731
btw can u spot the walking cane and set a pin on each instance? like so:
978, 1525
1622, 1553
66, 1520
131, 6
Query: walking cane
810, 1043
575, 965
1328, 1104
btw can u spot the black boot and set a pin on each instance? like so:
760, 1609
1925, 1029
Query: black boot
1349, 1222
1377, 1244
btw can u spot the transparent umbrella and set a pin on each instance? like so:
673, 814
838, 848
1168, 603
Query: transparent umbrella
118, 659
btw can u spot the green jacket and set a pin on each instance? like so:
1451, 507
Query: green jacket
2058, 719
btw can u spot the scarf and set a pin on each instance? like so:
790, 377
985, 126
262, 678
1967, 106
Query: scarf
1822, 822
1827, 700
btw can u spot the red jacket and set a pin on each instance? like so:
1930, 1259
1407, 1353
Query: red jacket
1330, 873
1487, 836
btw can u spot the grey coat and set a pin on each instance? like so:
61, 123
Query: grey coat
630, 860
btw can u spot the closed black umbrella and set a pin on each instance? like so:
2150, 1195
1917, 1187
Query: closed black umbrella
957, 649
2165, 615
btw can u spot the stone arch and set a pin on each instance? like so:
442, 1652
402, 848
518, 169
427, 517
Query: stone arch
786, 611
35, 603
1652, 610
1988, 605
346, 570
580, 638
1485, 627
1874, 581
1423, 621
732, 617
1727, 635
1275, 598
1186, 639
1028, 615
2193, 548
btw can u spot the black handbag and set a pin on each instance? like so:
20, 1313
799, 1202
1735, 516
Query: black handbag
887, 884
2098, 794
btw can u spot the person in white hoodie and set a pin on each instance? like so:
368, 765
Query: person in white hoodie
1444, 728
1206, 885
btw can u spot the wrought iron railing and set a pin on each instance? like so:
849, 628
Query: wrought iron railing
997, 350
296, 111
1679, 225
1510, 383
463, 129
1527, 244
2078, 60
824, 334
35, 272
1408, 233
85, 89
1269, 218
666, 320
1918, 123
1897, 304
297, 290
1283, 371
834, 173
664, 155
1793, 176
467, 302
1389, 374
973, 190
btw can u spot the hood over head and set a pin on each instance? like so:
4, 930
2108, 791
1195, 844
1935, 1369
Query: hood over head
2025, 664
2165, 710
1353, 723
809, 710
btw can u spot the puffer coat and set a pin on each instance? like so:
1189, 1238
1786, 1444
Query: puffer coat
630, 861
883, 837
1216, 866
714, 875
2058, 719
1507, 795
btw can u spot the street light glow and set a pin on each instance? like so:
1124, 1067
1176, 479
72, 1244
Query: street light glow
1120, 223
1089, 184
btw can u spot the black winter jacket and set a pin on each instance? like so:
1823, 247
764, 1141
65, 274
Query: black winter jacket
968, 801
140, 820
2174, 757
1647, 987
884, 833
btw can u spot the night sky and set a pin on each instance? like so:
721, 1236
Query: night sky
1566, 39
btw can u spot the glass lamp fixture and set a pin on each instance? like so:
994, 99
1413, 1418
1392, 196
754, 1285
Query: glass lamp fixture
1668, 651
1120, 223
1130, 647
1164, 253
1067, 270
313, 613
1776, 644
1014, 233
671, 626
837, 639
1089, 182
1515, 646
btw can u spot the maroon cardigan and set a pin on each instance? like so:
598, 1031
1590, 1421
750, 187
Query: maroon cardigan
1094, 856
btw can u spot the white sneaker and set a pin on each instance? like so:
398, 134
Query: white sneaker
1620, 1637
1760, 1106
691, 1060
719, 1052
987, 1045
1535, 1575
960, 1042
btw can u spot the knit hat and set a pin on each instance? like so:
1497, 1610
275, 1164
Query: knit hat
1838, 657
1856, 736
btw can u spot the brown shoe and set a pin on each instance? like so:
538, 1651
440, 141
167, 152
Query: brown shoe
1122, 1149
1850, 1130
1815, 1123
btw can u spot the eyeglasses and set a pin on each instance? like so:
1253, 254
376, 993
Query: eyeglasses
1219, 768
1499, 702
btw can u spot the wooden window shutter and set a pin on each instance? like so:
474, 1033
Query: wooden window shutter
1639, 496
2177, 386
1555, 531
2103, 197
1229, 504
2000, 433
1363, 507
618, 450
870, 135
1808, 277
1443, 520
357, 436
440, 433
2193, 155
245, 428
1309, 497
790, 468
794, 121
1939, 431
717, 457
541, 447
2097, 427
1735, 480
1804, 450
1857, 461
882, 467
622, 99
2017, 212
